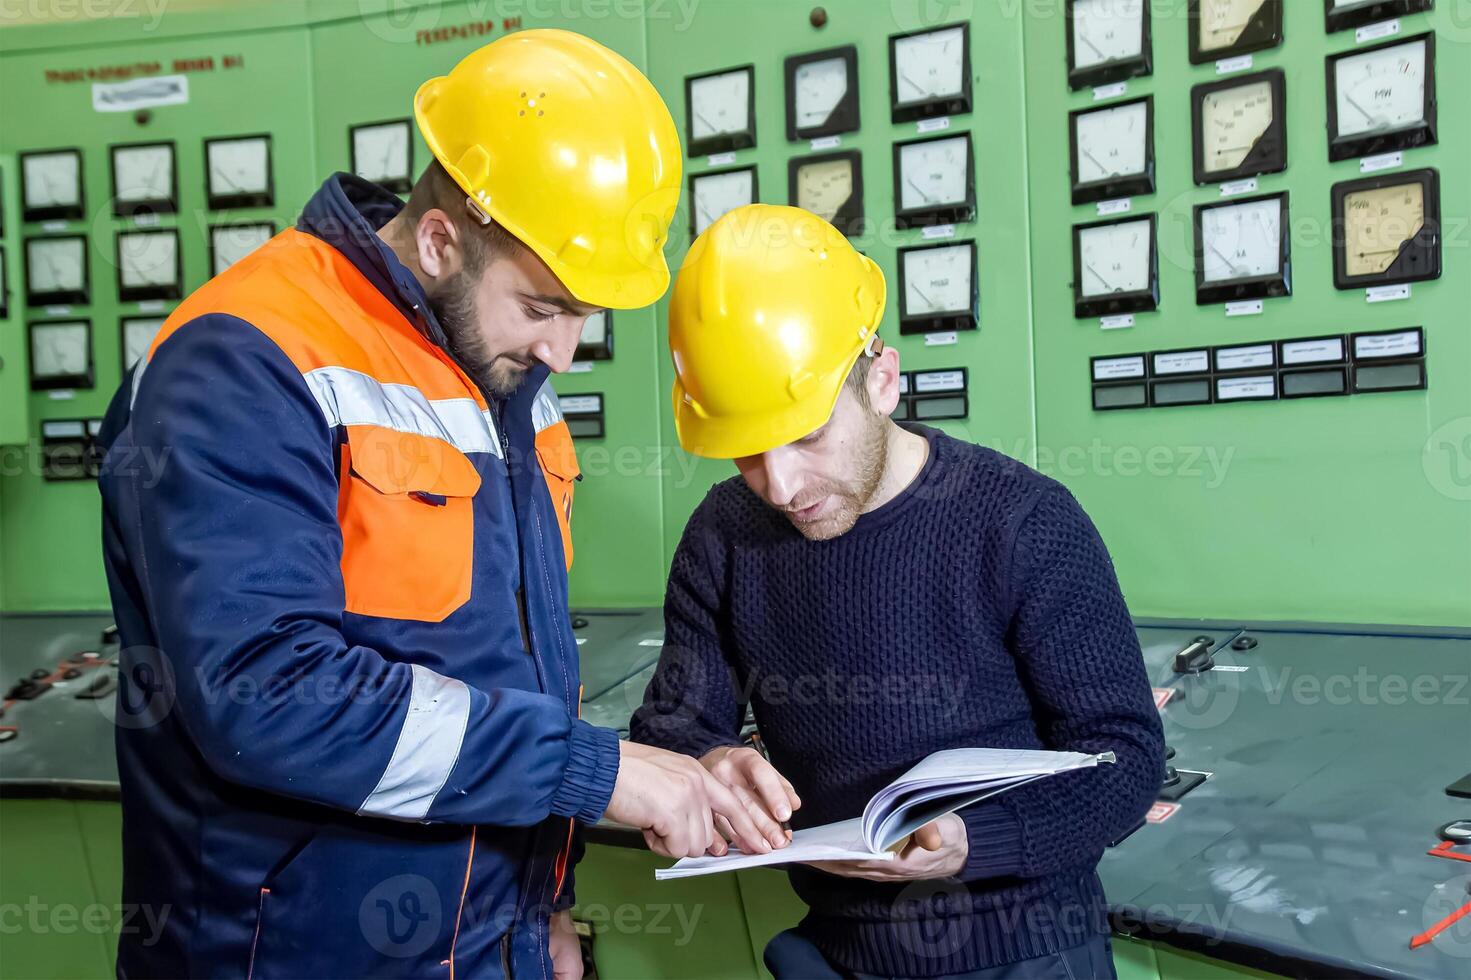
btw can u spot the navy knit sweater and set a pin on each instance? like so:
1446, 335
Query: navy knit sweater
977, 608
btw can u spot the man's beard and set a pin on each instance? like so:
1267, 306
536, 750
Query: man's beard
871, 454
499, 375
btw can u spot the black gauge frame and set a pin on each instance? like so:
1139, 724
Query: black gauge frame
244, 199
398, 185
846, 116
1369, 144
58, 382
926, 323
1263, 31
945, 105
61, 297
54, 212
720, 142
1110, 188
138, 294
940, 214
1268, 155
1111, 304
1118, 69
850, 219
1420, 255
1254, 287
755, 189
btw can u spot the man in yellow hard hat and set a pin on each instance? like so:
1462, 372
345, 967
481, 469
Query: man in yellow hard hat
348, 734
877, 593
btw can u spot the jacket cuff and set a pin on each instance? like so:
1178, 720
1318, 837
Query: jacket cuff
995, 838
592, 769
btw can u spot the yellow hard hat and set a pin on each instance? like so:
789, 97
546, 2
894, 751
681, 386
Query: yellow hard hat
770, 310
566, 145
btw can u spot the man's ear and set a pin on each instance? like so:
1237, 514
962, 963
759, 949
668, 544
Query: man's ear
437, 241
883, 381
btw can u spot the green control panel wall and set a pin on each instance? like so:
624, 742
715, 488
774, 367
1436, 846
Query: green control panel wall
1350, 509
1353, 508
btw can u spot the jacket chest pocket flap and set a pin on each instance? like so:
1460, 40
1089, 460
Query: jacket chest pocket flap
558, 461
408, 527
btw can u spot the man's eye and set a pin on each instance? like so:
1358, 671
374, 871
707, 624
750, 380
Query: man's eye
536, 314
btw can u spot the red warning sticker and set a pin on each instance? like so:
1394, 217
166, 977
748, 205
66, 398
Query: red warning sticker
1162, 696
1160, 812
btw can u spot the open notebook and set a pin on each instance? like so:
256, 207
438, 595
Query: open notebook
942, 783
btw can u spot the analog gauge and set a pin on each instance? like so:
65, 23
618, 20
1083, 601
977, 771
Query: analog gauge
929, 73
1386, 229
61, 355
720, 111
937, 288
831, 187
1240, 127
384, 154
137, 337
238, 172
148, 265
1107, 40
714, 193
1382, 98
51, 185
822, 93
1113, 151
1115, 267
1242, 249
934, 181
229, 244
1226, 28
56, 270
144, 179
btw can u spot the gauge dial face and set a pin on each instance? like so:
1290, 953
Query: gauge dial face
148, 259
52, 180
1112, 142
929, 66
239, 167
715, 194
720, 104
824, 186
1231, 122
1380, 90
143, 173
1115, 258
1222, 21
1242, 241
933, 173
1106, 30
1377, 223
383, 153
60, 349
820, 86
55, 265
138, 334
939, 280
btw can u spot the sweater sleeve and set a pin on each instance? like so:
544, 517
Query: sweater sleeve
1079, 658
692, 703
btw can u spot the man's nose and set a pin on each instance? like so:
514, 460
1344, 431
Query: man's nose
557, 349
782, 479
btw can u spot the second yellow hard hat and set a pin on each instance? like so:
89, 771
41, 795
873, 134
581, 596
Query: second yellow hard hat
770, 310
569, 147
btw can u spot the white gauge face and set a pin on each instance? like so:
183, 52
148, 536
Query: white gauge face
381, 153
53, 179
231, 243
1112, 142
138, 334
933, 173
1107, 30
1222, 21
1115, 258
148, 259
825, 186
1380, 91
930, 66
1242, 241
938, 280
721, 104
820, 86
59, 349
143, 173
718, 193
239, 166
594, 329
1231, 122
54, 265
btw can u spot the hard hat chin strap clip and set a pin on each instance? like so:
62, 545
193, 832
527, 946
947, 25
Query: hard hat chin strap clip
875, 345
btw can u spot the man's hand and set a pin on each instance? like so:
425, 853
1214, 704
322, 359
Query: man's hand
674, 801
565, 949
936, 850
768, 798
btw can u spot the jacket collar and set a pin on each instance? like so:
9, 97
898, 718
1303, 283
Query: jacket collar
346, 213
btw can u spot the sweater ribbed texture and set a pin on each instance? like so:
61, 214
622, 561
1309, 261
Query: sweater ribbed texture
977, 608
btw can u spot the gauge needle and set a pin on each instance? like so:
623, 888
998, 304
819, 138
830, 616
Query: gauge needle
929, 303
923, 92
1106, 284
1111, 173
920, 191
707, 122
1093, 46
1362, 111
221, 174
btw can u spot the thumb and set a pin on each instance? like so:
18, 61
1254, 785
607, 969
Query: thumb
929, 836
